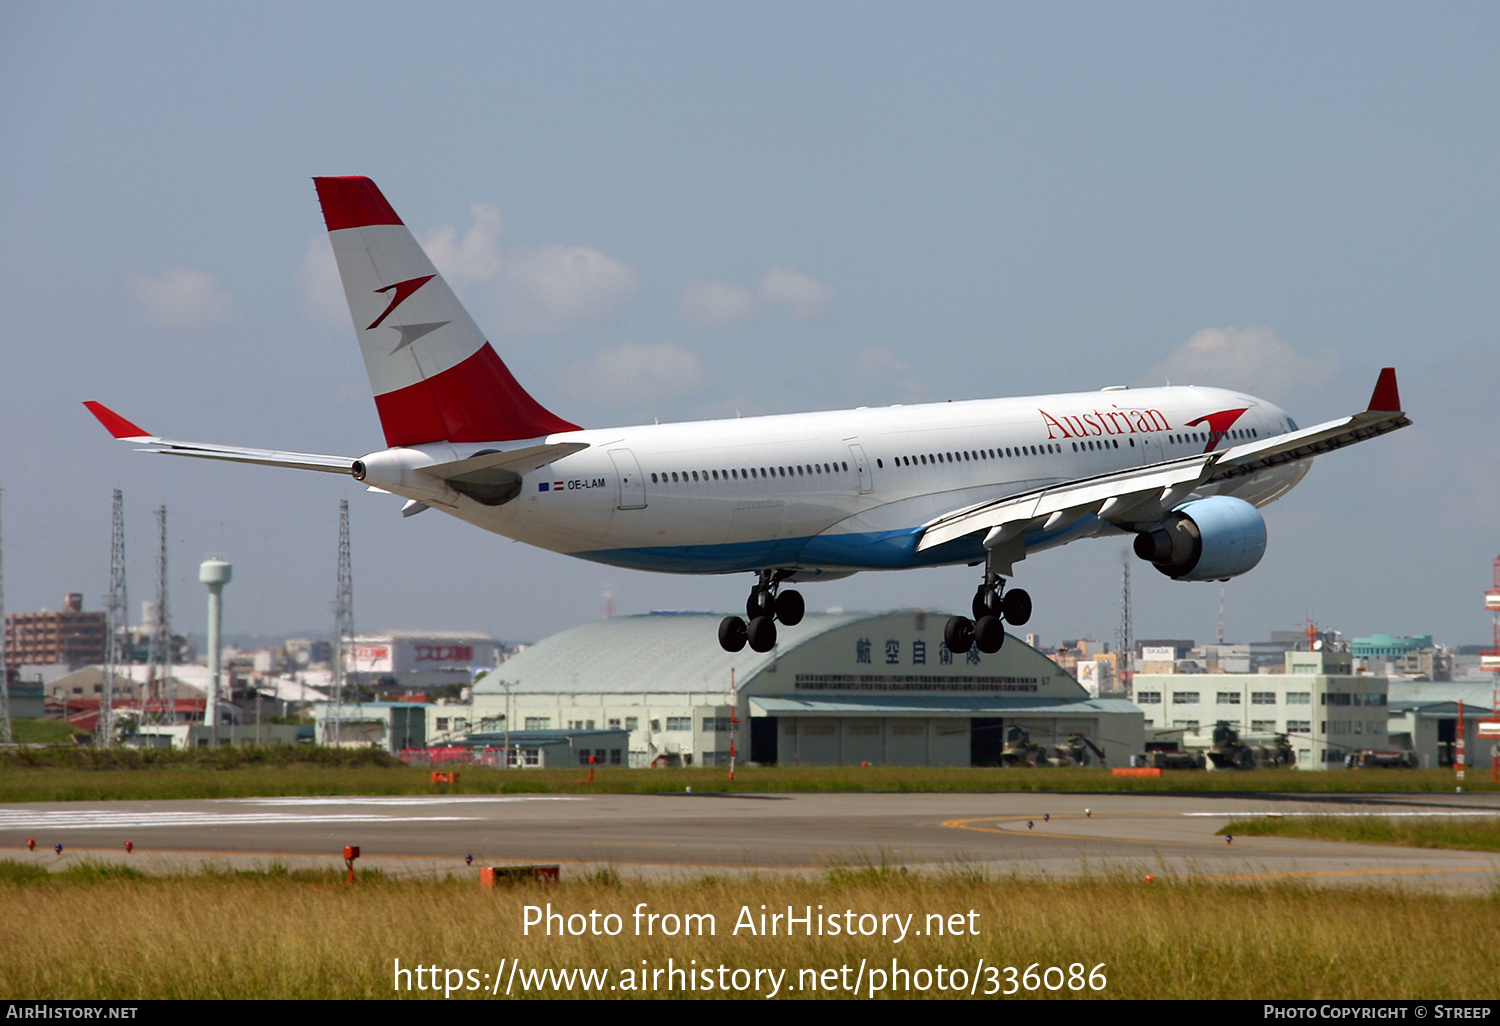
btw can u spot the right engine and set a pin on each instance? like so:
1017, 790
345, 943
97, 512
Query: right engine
1205, 540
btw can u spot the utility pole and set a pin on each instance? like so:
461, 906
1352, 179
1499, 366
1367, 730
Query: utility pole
117, 619
1126, 636
159, 678
5, 733
343, 631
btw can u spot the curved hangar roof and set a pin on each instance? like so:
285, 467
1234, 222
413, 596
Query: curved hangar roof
826, 652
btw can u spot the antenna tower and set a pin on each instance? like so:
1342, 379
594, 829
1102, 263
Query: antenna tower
159, 683
1491, 660
343, 630
5, 735
1222, 586
117, 612
1125, 639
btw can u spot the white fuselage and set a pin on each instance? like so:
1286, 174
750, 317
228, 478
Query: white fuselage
841, 491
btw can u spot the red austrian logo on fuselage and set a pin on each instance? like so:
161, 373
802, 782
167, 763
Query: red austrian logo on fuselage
1115, 422
1119, 421
1218, 424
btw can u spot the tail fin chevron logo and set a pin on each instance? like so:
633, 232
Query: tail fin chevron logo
403, 290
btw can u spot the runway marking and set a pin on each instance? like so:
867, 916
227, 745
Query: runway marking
411, 799
28, 819
458, 862
968, 824
1336, 815
1402, 871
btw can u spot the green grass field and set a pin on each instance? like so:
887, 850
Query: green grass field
1461, 833
85, 773
43, 732
282, 934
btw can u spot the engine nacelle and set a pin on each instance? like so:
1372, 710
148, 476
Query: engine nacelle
1205, 540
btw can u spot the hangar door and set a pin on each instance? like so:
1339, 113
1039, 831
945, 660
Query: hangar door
986, 741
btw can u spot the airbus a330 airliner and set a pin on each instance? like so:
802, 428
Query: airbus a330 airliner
801, 496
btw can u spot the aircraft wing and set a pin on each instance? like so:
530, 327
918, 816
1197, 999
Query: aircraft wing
129, 432
1144, 494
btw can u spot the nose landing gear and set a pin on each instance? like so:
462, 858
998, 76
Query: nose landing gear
993, 608
766, 605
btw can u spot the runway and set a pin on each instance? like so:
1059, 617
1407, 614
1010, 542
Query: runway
690, 835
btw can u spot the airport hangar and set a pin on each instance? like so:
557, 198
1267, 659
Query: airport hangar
839, 689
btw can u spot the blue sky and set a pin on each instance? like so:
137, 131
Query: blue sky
684, 210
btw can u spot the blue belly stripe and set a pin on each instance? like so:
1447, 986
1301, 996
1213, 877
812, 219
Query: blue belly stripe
873, 550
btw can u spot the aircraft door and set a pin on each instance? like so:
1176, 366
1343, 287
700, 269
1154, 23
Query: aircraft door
632, 483
1152, 451
863, 466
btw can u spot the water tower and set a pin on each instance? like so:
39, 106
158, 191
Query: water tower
214, 571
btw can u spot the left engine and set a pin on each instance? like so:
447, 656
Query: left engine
1205, 540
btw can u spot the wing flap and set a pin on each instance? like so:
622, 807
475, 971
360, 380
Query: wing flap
1128, 490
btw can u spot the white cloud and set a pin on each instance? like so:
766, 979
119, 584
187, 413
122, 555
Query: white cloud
541, 288
318, 281
474, 258
549, 288
802, 294
183, 297
1253, 359
635, 375
716, 304
877, 376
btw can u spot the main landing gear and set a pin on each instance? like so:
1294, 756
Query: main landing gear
993, 608
767, 604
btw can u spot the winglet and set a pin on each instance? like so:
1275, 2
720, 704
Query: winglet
1386, 399
116, 424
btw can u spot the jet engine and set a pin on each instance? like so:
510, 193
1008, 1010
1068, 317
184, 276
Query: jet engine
1205, 540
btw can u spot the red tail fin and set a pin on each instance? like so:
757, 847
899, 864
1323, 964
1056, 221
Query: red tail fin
1385, 398
435, 377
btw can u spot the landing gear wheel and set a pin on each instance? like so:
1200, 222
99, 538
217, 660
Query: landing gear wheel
986, 602
760, 603
732, 634
1016, 607
789, 608
989, 634
958, 634
762, 634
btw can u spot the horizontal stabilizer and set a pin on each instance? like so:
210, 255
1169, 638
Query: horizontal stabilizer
127, 431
